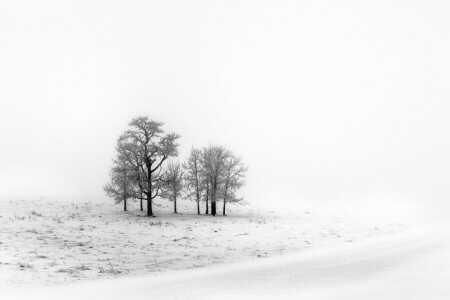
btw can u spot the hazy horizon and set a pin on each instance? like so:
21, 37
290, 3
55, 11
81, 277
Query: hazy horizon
340, 103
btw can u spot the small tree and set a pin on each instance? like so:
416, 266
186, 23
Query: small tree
215, 158
172, 183
233, 180
193, 177
129, 151
121, 186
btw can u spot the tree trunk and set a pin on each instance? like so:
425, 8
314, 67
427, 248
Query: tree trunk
225, 196
125, 194
175, 205
142, 207
207, 206
149, 206
213, 208
213, 198
198, 201
149, 194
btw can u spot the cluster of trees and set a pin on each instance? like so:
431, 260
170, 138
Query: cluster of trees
144, 168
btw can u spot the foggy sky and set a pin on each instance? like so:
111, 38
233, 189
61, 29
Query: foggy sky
327, 101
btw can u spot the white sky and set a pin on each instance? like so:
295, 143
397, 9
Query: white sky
327, 101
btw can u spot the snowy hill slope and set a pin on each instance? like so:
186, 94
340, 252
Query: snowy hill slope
410, 265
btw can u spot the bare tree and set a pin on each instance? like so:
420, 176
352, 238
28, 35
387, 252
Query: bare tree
151, 147
172, 183
121, 186
129, 151
234, 171
215, 158
195, 184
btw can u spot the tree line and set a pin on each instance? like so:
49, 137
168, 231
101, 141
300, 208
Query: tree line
145, 168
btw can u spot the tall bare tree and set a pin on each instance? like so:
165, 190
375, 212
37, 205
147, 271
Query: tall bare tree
152, 147
172, 183
234, 176
193, 176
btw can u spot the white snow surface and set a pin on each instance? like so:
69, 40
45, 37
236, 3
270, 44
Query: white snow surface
408, 263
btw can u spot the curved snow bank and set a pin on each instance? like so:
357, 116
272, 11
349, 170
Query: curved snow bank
415, 265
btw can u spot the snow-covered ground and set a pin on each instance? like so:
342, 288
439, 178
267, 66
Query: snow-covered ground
248, 254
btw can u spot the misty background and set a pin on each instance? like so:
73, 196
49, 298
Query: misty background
328, 102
